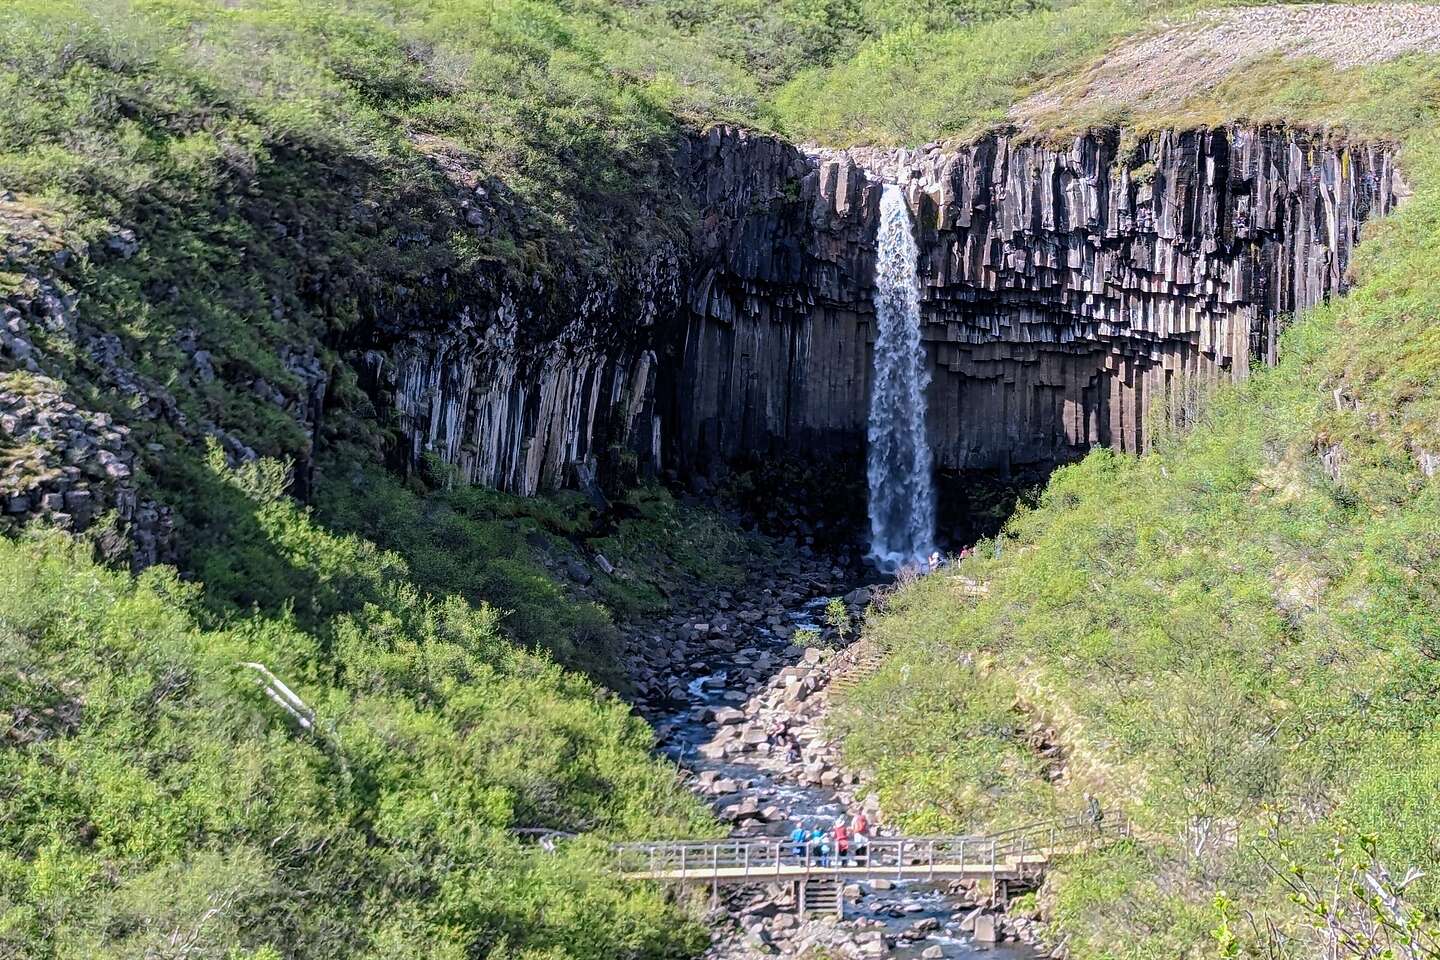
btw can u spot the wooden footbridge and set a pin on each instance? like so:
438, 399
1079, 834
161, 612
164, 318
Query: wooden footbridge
1013, 855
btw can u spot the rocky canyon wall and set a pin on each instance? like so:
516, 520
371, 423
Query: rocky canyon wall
526, 416
775, 352
1070, 293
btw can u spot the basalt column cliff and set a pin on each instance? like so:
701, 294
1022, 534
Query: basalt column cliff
1068, 293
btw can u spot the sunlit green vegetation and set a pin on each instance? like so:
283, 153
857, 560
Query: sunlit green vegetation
1237, 648
1236, 644
154, 795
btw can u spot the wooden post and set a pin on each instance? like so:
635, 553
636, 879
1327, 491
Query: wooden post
747, 863
930, 854
994, 869
682, 859
900, 860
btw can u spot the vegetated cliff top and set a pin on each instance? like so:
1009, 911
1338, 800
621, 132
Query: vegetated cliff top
1184, 59
1310, 64
1062, 67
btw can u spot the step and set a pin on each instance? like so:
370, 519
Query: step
821, 897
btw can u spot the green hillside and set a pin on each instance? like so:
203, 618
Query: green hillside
1235, 640
155, 796
1235, 636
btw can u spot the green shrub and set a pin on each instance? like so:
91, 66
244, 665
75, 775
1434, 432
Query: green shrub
156, 795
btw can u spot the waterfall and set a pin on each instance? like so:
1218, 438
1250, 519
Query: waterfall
898, 462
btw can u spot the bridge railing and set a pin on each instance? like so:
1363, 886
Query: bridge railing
1056, 836
756, 856
1020, 849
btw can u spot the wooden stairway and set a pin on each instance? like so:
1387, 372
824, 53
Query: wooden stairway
819, 896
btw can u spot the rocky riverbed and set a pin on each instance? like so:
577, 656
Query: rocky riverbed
718, 680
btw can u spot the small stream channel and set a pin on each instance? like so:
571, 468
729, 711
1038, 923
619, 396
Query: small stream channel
720, 681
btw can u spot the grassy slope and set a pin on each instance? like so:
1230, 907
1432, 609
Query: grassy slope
267, 158
244, 144
153, 795
1238, 648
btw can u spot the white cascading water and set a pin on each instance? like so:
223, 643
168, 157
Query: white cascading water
898, 462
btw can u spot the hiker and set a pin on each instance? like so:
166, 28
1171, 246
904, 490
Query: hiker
824, 851
841, 833
792, 753
775, 733
817, 841
860, 837
798, 838
934, 561
1093, 812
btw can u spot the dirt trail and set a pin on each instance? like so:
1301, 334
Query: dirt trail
1166, 68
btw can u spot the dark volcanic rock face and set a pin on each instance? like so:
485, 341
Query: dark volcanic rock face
1070, 293
775, 354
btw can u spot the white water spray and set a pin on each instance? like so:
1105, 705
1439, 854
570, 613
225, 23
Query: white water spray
898, 462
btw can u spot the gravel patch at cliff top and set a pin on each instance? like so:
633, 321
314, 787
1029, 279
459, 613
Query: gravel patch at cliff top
1187, 59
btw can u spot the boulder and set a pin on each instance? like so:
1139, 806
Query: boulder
578, 572
725, 716
872, 945
754, 735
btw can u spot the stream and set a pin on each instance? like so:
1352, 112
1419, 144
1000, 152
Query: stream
917, 919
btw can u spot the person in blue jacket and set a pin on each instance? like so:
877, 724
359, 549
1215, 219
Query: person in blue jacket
817, 842
798, 836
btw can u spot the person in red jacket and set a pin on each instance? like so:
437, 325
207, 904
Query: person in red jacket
841, 835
